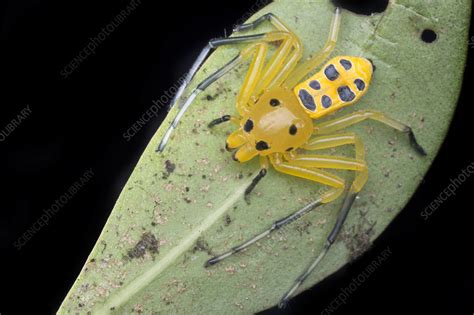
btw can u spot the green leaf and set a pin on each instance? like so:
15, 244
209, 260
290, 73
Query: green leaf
180, 207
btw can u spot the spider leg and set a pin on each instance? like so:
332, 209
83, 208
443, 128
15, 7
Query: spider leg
290, 48
200, 88
224, 119
275, 226
259, 48
348, 201
303, 69
283, 62
288, 66
335, 162
235, 139
273, 19
264, 165
264, 75
251, 79
316, 175
324, 161
359, 116
213, 44
336, 140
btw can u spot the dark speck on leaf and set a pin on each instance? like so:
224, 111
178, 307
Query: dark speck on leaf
210, 97
357, 238
202, 245
169, 167
148, 242
227, 220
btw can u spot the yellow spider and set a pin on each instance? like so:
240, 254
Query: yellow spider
277, 114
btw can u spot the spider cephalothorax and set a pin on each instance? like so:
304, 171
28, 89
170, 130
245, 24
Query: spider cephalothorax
276, 124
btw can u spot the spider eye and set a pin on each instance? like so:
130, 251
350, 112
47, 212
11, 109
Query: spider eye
262, 145
274, 102
293, 130
248, 125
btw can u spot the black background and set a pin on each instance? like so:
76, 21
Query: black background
77, 123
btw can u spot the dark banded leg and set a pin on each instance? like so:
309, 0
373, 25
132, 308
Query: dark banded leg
275, 226
254, 183
199, 89
190, 75
219, 121
348, 201
413, 142
273, 19
213, 44
264, 164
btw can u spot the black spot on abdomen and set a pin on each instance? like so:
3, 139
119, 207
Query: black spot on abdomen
346, 64
359, 84
331, 73
326, 101
345, 93
307, 100
315, 85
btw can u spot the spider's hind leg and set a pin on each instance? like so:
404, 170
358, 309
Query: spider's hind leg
358, 165
347, 205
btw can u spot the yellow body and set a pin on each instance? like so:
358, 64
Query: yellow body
341, 82
277, 112
276, 124
281, 120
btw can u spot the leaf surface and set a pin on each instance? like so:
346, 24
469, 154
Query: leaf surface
180, 207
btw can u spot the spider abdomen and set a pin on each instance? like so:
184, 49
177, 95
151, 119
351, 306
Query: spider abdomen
341, 82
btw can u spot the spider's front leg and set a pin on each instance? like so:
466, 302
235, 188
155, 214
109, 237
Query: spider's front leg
305, 68
258, 49
278, 68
